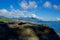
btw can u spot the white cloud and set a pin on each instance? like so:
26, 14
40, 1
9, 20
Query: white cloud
24, 4
35, 16
32, 4
17, 14
57, 7
29, 5
47, 4
58, 19
3, 11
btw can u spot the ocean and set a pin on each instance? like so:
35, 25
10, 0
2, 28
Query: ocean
53, 24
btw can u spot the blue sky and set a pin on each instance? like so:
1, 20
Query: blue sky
42, 9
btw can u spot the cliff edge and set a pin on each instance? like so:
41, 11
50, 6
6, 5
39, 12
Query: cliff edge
26, 31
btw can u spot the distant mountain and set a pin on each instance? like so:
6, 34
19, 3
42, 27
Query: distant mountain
29, 19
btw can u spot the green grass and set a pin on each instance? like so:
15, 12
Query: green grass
3, 19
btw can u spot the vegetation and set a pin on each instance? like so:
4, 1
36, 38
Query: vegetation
19, 30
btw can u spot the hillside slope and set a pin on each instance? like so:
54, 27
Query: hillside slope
26, 31
4, 19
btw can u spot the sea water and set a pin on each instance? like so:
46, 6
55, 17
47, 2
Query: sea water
53, 24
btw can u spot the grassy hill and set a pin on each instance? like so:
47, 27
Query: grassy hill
26, 31
4, 19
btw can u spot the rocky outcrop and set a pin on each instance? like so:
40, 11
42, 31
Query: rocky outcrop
26, 31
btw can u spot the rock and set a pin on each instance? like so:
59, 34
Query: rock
26, 31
